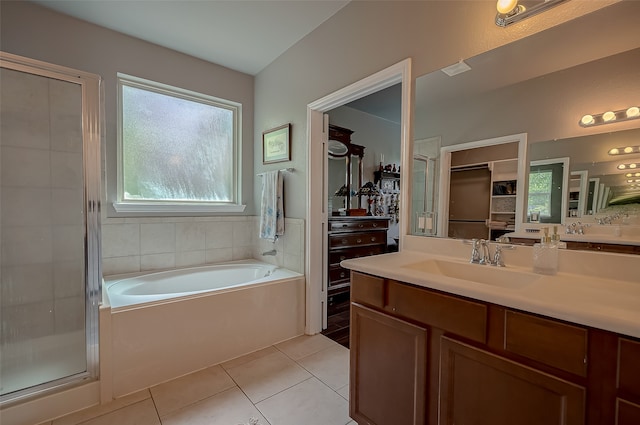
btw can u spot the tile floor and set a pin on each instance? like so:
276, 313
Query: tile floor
303, 381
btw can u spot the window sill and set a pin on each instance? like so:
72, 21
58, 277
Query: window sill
140, 207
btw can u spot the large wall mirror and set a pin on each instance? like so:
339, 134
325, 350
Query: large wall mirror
538, 87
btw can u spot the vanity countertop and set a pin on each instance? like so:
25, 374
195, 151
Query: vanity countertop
595, 301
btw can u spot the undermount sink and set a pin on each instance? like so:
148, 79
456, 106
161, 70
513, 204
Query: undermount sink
488, 275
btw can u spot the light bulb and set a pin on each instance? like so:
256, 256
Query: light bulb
608, 116
628, 175
614, 151
630, 181
632, 165
506, 6
628, 149
633, 112
587, 120
621, 167
637, 174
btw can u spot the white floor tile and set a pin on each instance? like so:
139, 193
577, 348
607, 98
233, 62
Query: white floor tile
188, 389
304, 345
249, 357
141, 413
230, 407
330, 365
344, 392
268, 375
309, 403
102, 409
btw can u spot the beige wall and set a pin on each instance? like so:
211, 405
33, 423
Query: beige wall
35, 32
368, 36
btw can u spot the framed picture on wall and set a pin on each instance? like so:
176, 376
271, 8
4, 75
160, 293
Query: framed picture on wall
276, 144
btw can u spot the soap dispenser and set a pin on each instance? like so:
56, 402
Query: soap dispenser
545, 255
555, 239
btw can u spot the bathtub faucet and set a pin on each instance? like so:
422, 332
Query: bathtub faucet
272, 252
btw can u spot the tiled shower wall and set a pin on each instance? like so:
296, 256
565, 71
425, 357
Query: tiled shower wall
143, 244
42, 290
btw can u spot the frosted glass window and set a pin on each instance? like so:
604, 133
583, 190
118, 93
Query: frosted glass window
176, 146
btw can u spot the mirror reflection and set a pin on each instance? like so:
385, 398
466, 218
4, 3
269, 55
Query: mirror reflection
567, 173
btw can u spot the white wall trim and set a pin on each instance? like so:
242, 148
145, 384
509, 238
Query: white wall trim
316, 202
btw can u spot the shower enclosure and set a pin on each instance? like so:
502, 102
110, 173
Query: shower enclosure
49, 227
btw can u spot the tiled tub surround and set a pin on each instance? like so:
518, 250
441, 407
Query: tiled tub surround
141, 244
144, 340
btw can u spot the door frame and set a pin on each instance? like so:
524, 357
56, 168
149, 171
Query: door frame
445, 167
317, 216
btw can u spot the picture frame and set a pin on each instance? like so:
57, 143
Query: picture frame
276, 144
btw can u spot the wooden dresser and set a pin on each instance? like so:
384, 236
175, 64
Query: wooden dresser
352, 237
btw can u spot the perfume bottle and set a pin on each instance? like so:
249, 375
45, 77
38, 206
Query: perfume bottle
545, 255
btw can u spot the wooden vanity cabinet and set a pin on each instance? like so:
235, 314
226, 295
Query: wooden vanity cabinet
454, 360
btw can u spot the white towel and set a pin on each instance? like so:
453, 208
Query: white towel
271, 208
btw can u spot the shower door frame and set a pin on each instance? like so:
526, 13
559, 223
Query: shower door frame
92, 109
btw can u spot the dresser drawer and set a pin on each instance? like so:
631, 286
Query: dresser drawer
357, 225
629, 367
337, 255
547, 341
451, 314
345, 240
337, 275
367, 289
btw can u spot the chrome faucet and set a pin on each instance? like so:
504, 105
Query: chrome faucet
486, 253
475, 253
272, 252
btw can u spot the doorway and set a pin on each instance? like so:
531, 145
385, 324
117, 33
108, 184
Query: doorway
316, 265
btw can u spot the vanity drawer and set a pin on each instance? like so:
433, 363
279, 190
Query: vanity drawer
357, 225
451, 314
554, 343
336, 256
357, 239
367, 289
629, 367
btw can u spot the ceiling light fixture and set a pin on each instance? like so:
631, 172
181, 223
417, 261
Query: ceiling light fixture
610, 117
509, 11
626, 150
628, 166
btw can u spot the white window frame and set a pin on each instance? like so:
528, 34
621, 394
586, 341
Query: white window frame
132, 206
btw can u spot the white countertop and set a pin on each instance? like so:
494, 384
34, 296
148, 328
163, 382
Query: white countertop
598, 302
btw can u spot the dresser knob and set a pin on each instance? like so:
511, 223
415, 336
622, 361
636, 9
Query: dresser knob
344, 241
342, 274
359, 241
360, 225
375, 224
373, 239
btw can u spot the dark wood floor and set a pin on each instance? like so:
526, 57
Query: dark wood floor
338, 319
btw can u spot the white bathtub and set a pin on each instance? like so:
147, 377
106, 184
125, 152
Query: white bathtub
163, 325
141, 288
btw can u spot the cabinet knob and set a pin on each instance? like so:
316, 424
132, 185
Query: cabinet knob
359, 241
375, 224
344, 241
360, 225
373, 239
342, 274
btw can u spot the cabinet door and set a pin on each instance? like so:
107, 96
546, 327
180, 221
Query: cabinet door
481, 388
388, 369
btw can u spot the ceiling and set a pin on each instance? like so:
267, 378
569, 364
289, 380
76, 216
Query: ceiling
244, 35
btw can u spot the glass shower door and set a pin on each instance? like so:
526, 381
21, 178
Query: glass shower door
48, 333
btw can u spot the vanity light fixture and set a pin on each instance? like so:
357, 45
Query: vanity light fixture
626, 150
628, 166
610, 117
509, 11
